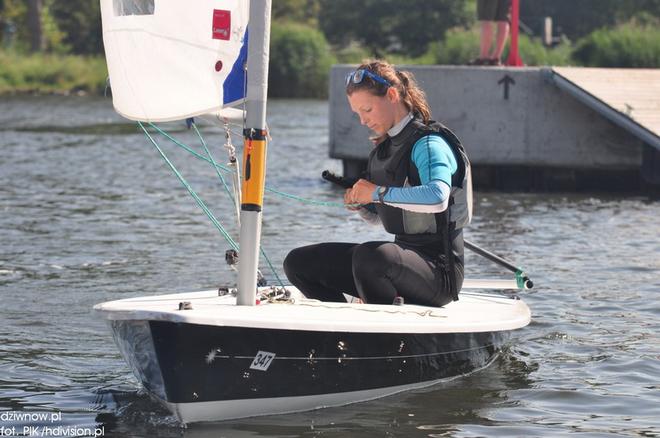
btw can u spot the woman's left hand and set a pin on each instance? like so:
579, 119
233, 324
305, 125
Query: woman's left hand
361, 193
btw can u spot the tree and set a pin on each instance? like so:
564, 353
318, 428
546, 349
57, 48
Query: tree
299, 11
577, 19
80, 20
391, 25
29, 26
299, 61
37, 41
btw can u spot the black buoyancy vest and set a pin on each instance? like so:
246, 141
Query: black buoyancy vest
391, 165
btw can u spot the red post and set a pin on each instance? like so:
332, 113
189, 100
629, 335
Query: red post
514, 56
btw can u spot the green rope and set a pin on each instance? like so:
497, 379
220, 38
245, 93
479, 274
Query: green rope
199, 201
215, 165
183, 146
270, 265
225, 169
219, 167
305, 200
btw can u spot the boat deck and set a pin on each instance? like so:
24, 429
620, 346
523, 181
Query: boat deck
474, 312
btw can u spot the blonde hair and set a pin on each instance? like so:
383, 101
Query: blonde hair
412, 95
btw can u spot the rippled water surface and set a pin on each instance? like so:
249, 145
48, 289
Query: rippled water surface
89, 212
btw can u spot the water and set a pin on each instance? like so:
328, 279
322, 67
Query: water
89, 213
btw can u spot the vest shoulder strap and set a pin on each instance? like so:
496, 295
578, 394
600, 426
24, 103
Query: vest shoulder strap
437, 128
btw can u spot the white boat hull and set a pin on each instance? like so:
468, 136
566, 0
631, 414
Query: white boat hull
233, 409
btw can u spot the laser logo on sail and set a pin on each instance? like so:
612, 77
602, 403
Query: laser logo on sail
221, 24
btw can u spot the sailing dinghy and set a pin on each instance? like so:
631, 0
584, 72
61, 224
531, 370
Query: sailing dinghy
231, 353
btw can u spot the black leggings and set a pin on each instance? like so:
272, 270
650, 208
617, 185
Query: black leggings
376, 272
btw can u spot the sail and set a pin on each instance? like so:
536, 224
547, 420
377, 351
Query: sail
175, 59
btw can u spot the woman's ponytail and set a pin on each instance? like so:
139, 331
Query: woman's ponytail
413, 96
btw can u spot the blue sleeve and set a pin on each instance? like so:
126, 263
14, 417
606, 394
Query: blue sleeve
436, 164
434, 159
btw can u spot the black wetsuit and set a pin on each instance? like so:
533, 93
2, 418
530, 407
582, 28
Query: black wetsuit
424, 268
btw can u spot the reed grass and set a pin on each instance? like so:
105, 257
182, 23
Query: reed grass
44, 73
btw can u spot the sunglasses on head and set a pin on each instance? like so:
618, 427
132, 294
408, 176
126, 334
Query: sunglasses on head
358, 76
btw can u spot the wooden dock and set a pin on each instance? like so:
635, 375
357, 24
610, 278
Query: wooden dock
628, 97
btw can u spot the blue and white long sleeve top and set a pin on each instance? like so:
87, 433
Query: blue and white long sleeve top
436, 164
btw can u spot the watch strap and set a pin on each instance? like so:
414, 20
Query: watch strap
382, 191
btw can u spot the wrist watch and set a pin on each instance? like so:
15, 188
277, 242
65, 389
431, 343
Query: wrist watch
382, 191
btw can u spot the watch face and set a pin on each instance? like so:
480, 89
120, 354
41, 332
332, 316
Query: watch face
382, 190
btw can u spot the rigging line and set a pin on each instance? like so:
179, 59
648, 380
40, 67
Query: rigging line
315, 303
213, 162
187, 148
270, 265
215, 165
201, 204
199, 201
305, 200
225, 169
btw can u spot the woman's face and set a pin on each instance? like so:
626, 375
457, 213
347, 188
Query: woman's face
377, 113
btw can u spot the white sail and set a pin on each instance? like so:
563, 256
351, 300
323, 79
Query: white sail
174, 59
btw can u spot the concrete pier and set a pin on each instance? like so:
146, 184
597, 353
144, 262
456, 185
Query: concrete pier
521, 130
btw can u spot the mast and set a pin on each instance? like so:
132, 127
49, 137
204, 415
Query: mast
254, 150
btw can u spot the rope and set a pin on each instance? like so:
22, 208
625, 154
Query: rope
305, 200
181, 145
270, 265
226, 169
219, 167
199, 201
215, 165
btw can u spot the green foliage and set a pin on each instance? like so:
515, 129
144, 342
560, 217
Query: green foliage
80, 20
462, 45
630, 45
352, 53
53, 35
579, 18
458, 48
533, 52
298, 11
300, 61
629, 9
48, 73
15, 13
411, 32
390, 26
398, 59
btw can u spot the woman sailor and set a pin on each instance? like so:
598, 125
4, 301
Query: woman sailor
417, 185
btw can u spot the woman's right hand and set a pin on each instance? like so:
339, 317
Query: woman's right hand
347, 203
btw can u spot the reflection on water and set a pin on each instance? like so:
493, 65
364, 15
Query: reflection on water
89, 212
